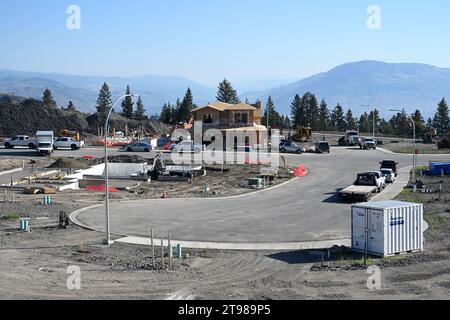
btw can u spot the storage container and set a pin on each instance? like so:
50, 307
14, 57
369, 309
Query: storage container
387, 228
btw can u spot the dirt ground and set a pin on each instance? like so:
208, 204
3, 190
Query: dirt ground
34, 265
9, 164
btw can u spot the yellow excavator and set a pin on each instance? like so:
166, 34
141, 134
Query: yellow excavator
71, 134
302, 134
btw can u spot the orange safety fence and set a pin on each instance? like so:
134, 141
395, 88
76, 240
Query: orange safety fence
101, 187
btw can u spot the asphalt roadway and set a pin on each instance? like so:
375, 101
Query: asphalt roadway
302, 210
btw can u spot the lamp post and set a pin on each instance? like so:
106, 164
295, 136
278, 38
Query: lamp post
108, 227
414, 142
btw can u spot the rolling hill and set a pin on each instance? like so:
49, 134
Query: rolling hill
83, 90
384, 85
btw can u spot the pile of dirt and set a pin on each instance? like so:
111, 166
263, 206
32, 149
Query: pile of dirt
8, 164
31, 115
127, 159
26, 116
71, 163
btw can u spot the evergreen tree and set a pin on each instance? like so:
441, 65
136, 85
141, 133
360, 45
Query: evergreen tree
297, 113
324, 116
70, 107
441, 119
184, 111
310, 108
377, 119
166, 114
175, 112
226, 93
363, 123
401, 124
350, 120
139, 114
386, 128
419, 122
48, 99
104, 101
338, 118
127, 105
274, 116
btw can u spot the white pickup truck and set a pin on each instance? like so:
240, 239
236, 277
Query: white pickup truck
68, 143
20, 141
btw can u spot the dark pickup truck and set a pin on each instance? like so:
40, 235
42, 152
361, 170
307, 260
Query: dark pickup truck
389, 164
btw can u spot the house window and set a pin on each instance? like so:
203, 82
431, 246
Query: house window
207, 118
241, 117
244, 118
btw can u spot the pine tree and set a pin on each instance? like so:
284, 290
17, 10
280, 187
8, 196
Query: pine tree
419, 122
364, 123
338, 118
296, 111
104, 101
48, 99
226, 93
324, 116
310, 108
350, 120
401, 124
70, 107
127, 105
441, 119
166, 114
139, 114
184, 111
274, 116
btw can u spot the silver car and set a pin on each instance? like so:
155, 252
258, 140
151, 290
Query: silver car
139, 147
287, 146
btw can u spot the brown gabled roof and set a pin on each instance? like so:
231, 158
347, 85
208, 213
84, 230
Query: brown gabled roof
221, 106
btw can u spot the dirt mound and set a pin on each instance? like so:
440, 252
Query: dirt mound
26, 116
8, 164
71, 163
31, 115
126, 159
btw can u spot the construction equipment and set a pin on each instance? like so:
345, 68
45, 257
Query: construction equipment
72, 134
302, 134
430, 136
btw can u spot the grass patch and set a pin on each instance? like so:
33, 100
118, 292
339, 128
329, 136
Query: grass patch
11, 216
438, 227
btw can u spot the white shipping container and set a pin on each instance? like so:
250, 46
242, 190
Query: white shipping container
387, 227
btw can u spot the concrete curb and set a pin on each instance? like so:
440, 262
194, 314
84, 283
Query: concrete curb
307, 245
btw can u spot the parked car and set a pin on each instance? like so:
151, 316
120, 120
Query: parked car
367, 143
389, 175
68, 143
389, 164
187, 146
20, 141
322, 147
287, 146
139, 147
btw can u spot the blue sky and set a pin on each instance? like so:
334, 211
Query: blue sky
207, 40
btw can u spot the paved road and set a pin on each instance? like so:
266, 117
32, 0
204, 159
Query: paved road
305, 209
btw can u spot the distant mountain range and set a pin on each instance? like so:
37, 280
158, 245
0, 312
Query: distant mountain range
369, 83
83, 90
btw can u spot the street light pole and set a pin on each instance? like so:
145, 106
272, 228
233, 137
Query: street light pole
108, 227
414, 143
